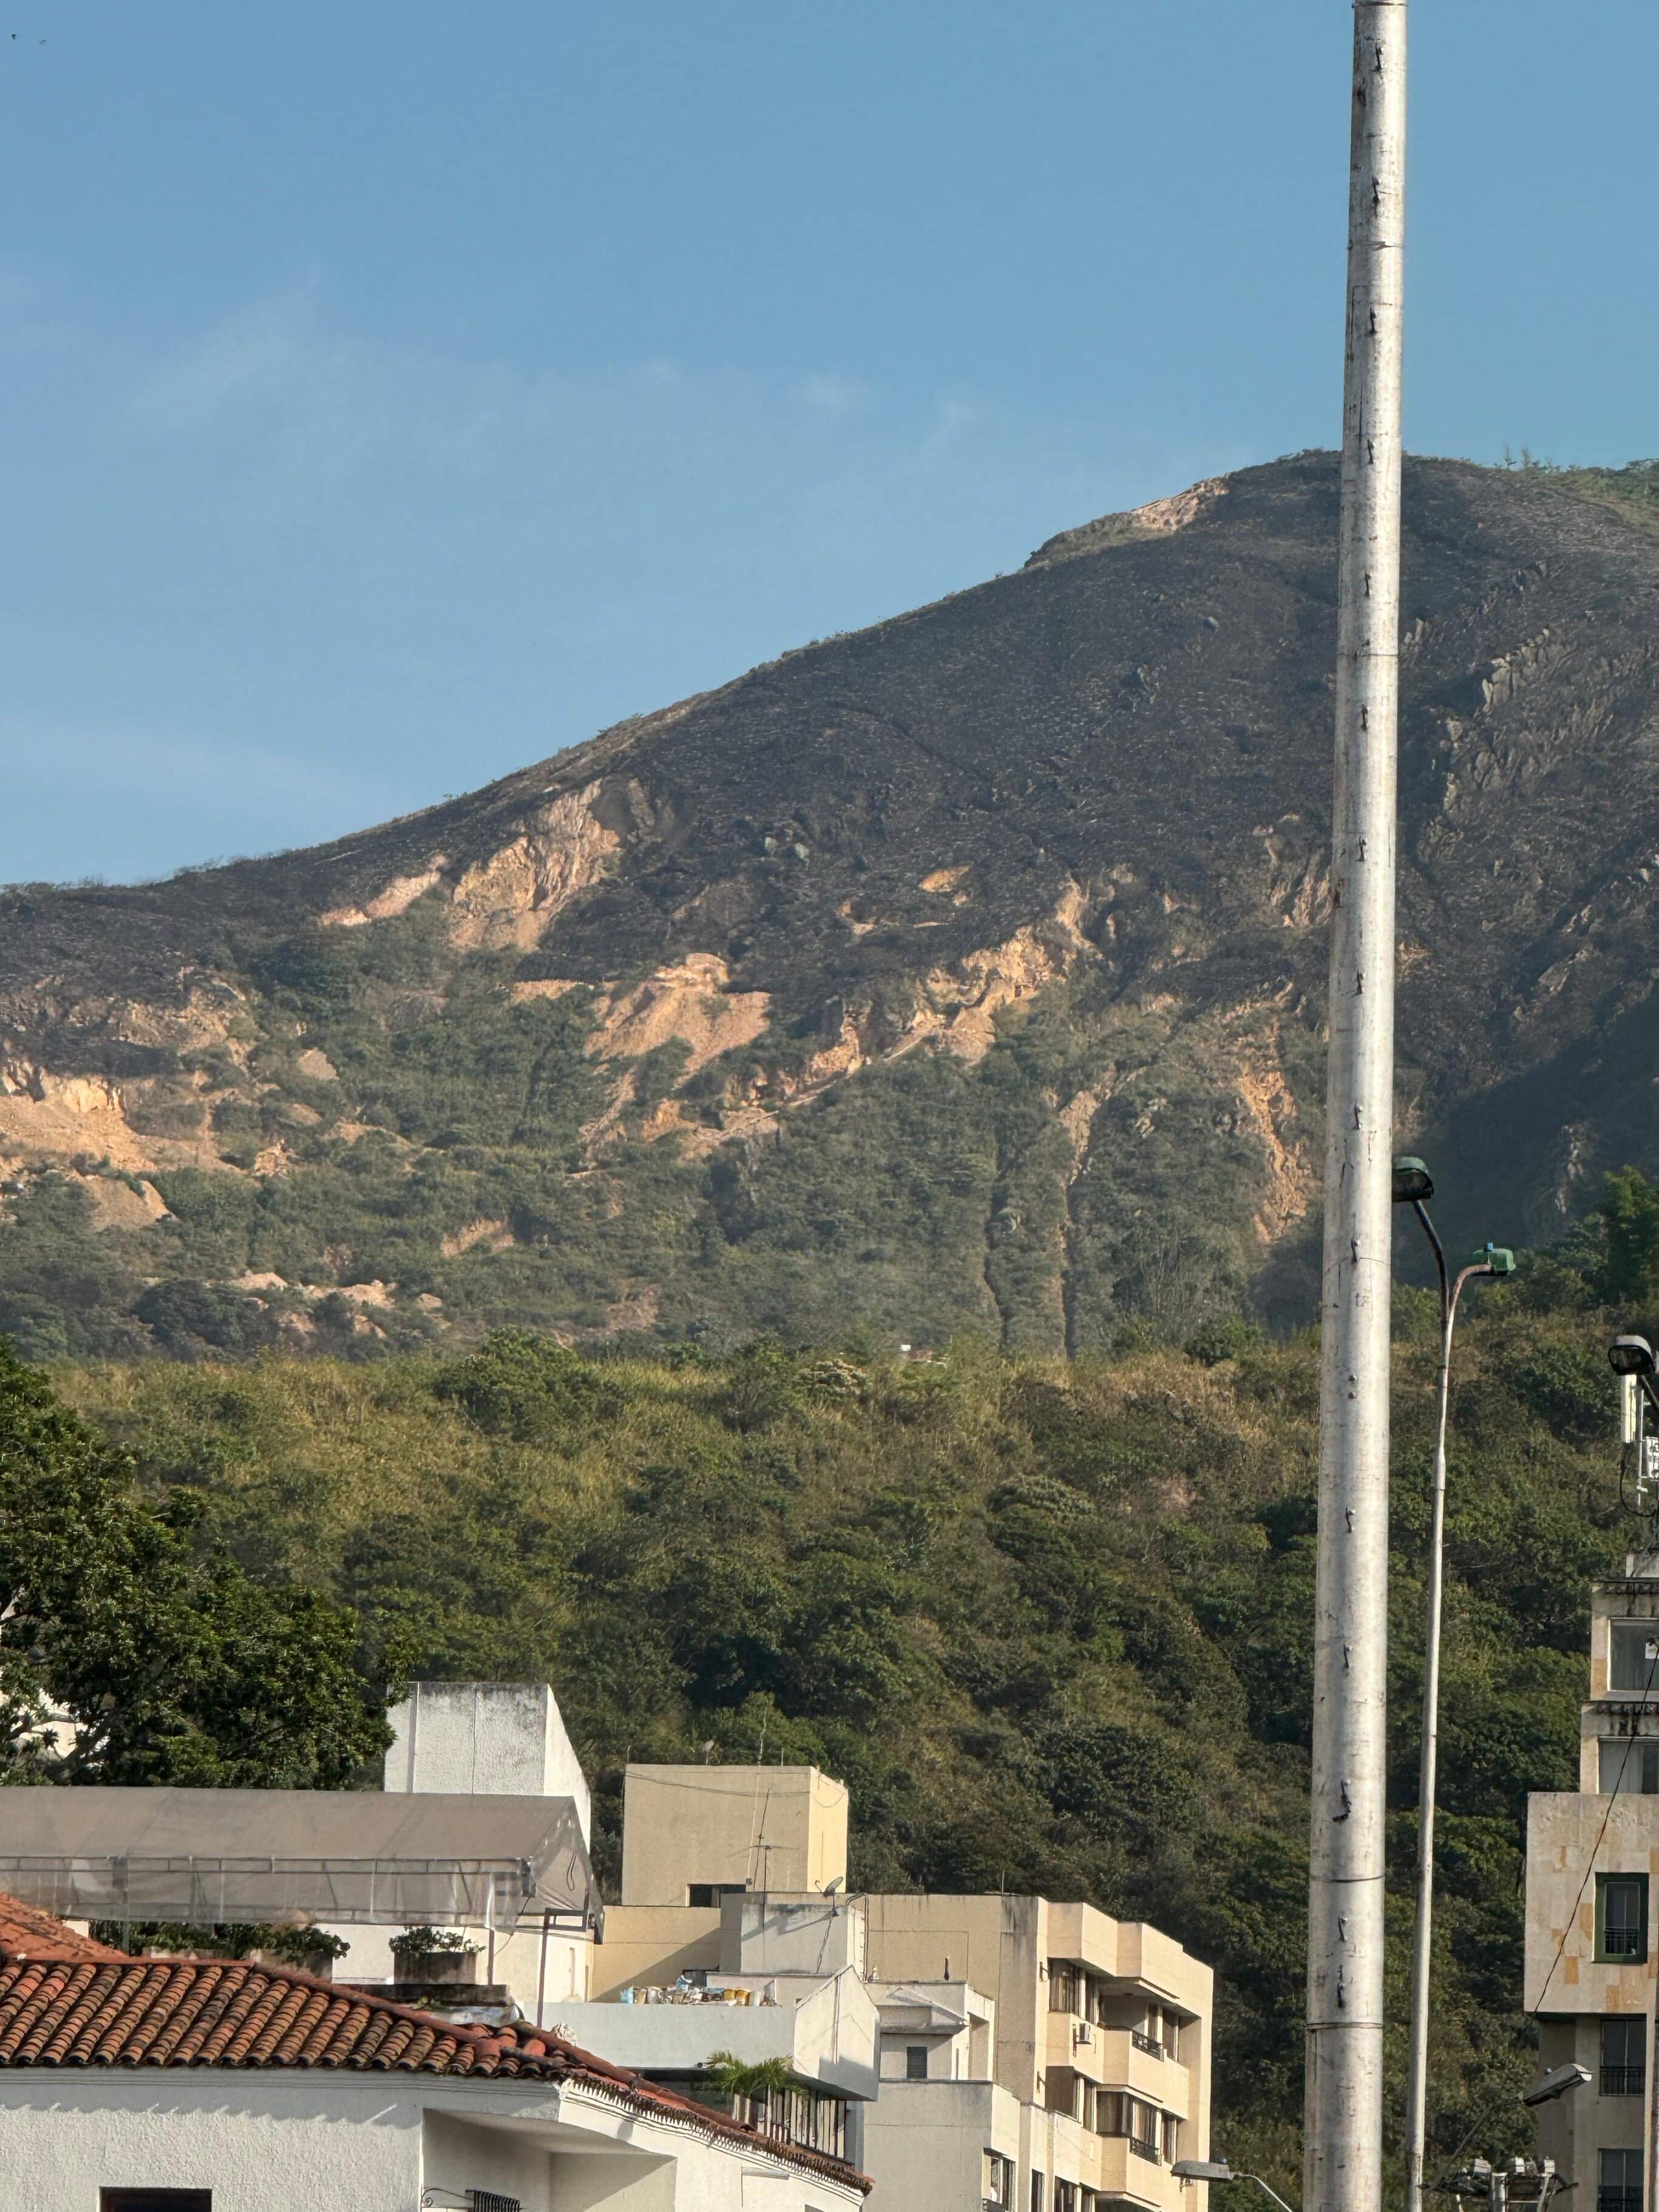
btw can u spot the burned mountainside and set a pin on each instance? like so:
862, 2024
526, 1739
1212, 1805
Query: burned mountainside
964, 973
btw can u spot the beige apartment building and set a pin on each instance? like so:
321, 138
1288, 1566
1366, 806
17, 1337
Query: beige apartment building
975, 2051
1591, 1857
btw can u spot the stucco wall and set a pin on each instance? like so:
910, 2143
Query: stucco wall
996, 1943
1575, 2129
925, 2143
485, 1739
1570, 1839
778, 1828
259, 2144
459, 2154
331, 2142
653, 1944
828, 2031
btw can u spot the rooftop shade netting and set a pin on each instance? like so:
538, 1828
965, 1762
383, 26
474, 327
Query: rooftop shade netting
295, 1856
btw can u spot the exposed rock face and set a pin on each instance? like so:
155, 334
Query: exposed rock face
963, 972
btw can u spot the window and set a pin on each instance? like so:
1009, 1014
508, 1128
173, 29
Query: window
1170, 2142
1037, 2191
1064, 2196
1621, 2182
1065, 1987
1623, 2051
915, 2062
1118, 2113
1621, 1916
700, 1895
1629, 1765
155, 2200
1000, 2179
1634, 1655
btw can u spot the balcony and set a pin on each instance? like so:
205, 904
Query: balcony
1119, 2059
1116, 2166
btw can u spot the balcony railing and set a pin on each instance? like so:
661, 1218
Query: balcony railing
1623, 2080
1144, 2147
1617, 2200
1149, 2044
1623, 1943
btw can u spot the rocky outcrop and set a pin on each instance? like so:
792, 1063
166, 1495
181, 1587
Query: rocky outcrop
964, 973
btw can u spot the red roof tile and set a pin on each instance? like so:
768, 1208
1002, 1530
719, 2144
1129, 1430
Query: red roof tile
66, 2001
26, 1932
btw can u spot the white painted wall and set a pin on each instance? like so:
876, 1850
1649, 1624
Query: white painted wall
260, 2143
459, 2154
318, 2142
485, 1739
828, 2031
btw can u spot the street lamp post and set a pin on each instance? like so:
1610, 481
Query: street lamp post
1412, 1187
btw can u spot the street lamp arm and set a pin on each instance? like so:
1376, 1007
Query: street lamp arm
1432, 1234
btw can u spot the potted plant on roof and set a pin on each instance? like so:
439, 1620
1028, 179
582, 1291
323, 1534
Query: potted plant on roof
433, 1955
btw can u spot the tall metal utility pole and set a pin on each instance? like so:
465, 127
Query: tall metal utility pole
1344, 2159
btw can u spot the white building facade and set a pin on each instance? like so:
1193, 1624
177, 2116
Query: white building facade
194, 2085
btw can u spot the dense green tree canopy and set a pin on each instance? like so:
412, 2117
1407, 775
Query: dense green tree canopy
1051, 1622
123, 1616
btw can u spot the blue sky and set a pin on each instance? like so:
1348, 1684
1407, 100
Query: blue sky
395, 395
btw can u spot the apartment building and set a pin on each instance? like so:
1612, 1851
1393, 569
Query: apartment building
1591, 1854
1003, 2051
1100, 2038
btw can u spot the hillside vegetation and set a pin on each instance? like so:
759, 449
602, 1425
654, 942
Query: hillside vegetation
1050, 1622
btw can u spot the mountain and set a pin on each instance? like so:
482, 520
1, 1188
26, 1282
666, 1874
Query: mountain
962, 974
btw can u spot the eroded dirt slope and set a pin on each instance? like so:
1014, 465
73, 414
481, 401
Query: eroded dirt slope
965, 971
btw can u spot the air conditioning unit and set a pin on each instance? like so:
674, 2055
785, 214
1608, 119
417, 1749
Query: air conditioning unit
1083, 2036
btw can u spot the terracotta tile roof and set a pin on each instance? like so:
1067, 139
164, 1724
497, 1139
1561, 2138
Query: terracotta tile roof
108, 2010
26, 1932
66, 2001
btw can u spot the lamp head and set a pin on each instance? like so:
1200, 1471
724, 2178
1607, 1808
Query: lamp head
1413, 1182
1496, 1259
1556, 2083
1202, 2169
1631, 1355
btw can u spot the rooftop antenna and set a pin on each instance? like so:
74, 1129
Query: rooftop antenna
1343, 2169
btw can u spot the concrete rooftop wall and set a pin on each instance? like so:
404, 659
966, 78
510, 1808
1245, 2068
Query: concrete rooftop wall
485, 1739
